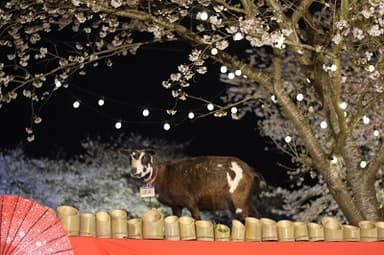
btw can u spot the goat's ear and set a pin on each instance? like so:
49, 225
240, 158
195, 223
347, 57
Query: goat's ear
150, 151
126, 151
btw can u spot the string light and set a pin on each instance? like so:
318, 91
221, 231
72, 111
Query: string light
223, 69
57, 83
214, 51
363, 164
376, 132
333, 68
366, 120
191, 115
202, 15
299, 97
166, 126
238, 72
288, 139
210, 107
334, 160
231, 75
118, 124
343, 105
371, 68
323, 124
238, 36
100, 102
234, 110
273, 98
76, 104
145, 112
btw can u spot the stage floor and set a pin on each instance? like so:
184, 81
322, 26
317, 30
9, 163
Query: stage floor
100, 246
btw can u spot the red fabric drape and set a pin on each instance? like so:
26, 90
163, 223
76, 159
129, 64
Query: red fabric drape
100, 246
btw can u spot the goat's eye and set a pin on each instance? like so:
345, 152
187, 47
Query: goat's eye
145, 159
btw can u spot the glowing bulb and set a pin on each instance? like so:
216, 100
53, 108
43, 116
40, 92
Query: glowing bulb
100, 102
234, 110
238, 72
288, 139
223, 69
371, 68
214, 51
76, 104
238, 36
273, 98
231, 75
210, 107
376, 132
343, 105
333, 68
308, 80
166, 126
363, 164
323, 124
118, 124
203, 15
191, 115
366, 120
145, 112
299, 97
57, 83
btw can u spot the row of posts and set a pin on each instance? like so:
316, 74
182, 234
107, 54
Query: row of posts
153, 225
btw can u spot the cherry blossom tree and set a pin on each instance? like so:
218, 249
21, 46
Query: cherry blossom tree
311, 70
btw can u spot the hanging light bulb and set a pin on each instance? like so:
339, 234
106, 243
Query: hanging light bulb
238, 72
76, 104
223, 69
234, 110
214, 51
118, 124
210, 107
166, 126
231, 75
299, 97
366, 120
100, 102
202, 15
145, 112
238, 36
288, 139
191, 115
343, 105
363, 164
376, 132
323, 124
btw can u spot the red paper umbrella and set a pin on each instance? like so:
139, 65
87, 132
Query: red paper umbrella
26, 227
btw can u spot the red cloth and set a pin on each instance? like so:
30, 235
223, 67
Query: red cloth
100, 246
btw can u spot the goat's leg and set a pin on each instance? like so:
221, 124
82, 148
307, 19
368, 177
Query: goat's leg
176, 210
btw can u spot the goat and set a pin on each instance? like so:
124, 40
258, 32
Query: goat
199, 183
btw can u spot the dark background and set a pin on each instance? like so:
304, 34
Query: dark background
131, 84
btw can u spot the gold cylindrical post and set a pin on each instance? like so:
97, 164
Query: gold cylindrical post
135, 228
119, 224
351, 233
172, 231
153, 225
187, 228
237, 231
252, 229
70, 219
204, 230
285, 231
333, 230
269, 229
103, 225
315, 232
301, 231
368, 231
87, 224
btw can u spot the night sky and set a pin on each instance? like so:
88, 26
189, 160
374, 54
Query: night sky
130, 85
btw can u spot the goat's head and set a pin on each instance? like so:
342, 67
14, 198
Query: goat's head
141, 163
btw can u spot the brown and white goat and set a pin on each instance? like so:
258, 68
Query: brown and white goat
199, 183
